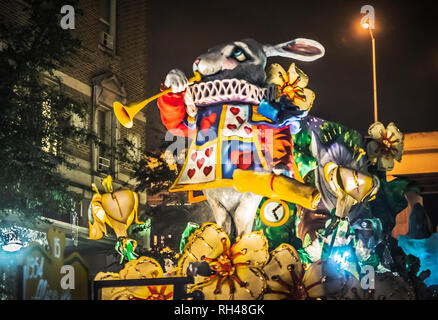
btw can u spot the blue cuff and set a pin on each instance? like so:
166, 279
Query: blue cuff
268, 111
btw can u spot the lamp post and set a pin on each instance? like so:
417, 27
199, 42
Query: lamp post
367, 25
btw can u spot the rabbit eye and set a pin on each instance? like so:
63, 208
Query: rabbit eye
238, 54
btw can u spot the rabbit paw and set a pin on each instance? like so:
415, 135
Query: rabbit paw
177, 80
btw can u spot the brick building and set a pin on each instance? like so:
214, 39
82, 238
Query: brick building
110, 66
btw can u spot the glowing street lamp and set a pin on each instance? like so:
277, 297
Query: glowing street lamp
367, 25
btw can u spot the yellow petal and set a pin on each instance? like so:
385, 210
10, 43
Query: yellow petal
295, 73
276, 75
283, 259
255, 284
253, 281
252, 248
208, 288
305, 104
207, 241
124, 294
204, 242
141, 268
109, 293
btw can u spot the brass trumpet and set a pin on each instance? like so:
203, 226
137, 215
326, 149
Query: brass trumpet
126, 114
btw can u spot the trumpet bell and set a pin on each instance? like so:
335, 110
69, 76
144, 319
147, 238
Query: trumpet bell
123, 114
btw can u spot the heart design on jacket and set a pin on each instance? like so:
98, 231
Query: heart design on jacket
200, 163
208, 152
234, 110
191, 172
207, 170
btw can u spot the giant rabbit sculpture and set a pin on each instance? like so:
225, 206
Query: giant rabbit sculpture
242, 120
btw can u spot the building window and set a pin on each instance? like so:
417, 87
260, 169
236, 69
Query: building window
105, 133
108, 19
135, 148
107, 89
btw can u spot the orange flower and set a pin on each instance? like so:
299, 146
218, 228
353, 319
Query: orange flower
292, 84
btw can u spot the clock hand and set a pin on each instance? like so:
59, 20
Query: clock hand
275, 210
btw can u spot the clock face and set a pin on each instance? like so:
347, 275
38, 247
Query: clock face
274, 213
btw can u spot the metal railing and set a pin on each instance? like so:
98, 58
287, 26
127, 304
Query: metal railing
178, 283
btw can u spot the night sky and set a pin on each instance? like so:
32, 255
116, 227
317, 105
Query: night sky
406, 53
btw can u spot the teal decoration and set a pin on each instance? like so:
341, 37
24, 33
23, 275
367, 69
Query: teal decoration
373, 261
125, 247
303, 157
427, 251
190, 228
304, 256
390, 201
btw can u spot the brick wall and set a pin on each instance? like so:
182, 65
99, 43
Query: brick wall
129, 64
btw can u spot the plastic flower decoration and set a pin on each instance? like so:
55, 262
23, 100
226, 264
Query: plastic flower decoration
292, 84
142, 268
385, 146
237, 268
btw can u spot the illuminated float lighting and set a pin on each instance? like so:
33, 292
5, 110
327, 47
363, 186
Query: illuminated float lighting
13, 244
342, 257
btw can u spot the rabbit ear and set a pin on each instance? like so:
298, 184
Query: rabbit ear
298, 49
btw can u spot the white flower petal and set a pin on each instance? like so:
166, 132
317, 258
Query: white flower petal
385, 163
376, 130
373, 149
393, 130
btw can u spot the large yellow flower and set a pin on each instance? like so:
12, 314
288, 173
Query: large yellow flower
386, 146
292, 84
237, 268
141, 268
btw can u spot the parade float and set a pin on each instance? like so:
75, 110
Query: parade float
303, 207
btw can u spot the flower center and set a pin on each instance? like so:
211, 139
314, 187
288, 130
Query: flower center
387, 143
156, 296
289, 90
225, 269
224, 266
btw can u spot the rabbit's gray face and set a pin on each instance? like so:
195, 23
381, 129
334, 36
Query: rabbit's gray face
243, 59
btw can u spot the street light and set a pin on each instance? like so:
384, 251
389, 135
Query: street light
367, 25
